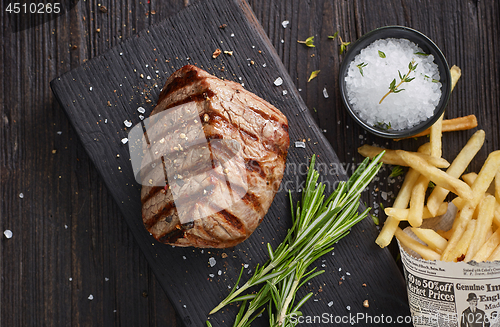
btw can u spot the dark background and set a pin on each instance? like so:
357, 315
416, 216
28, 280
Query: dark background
66, 225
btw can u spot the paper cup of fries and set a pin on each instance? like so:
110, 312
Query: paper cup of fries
450, 251
444, 293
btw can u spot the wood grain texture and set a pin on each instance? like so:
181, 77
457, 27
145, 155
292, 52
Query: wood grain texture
38, 261
99, 95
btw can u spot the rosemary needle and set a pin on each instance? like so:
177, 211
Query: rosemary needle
317, 224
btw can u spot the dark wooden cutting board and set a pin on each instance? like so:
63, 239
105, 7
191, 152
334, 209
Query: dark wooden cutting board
104, 92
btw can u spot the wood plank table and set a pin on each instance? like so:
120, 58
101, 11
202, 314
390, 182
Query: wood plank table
70, 242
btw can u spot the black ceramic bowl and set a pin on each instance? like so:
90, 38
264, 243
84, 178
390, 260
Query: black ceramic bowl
398, 32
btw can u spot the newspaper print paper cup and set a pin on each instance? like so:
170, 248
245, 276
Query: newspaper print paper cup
453, 294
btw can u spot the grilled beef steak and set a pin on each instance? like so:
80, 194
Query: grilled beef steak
223, 152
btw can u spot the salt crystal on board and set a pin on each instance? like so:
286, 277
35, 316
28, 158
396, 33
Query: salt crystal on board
300, 145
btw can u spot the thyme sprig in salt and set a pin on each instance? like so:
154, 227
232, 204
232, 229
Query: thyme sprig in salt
360, 67
393, 88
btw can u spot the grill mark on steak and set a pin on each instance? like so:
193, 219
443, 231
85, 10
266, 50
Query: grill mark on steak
167, 211
154, 190
226, 123
254, 166
179, 82
229, 218
172, 237
195, 97
253, 201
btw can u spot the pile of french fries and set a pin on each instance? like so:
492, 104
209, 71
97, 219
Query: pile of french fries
475, 234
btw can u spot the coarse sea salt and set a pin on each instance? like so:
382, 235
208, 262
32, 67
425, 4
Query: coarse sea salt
367, 85
8, 233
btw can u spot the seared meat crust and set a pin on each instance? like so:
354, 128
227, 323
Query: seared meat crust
218, 186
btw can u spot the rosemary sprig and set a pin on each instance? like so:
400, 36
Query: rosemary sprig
396, 171
393, 88
317, 224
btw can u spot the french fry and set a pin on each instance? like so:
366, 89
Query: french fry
496, 217
459, 226
435, 138
457, 168
489, 232
488, 247
455, 72
445, 234
402, 214
401, 202
425, 148
424, 251
495, 255
479, 187
459, 203
497, 186
392, 158
439, 177
484, 219
450, 125
417, 200
433, 240
459, 251
469, 178
485, 176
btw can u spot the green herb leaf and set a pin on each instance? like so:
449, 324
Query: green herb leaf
313, 75
422, 54
431, 185
381, 54
375, 219
309, 42
393, 85
343, 45
334, 35
396, 171
432, 80
360, 67
383, 125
